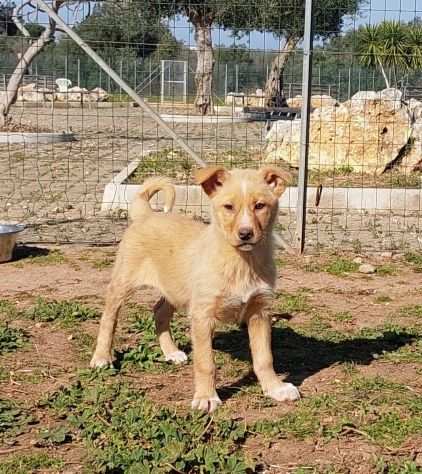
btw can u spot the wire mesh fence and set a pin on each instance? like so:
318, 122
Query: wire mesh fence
227, 78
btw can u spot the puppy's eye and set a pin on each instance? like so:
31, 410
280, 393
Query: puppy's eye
229, 207
259, 205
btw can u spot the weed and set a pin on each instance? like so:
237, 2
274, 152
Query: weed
53, 257
340, 267
343, 316
8, 309
413, 311
64, 312
384, 466
169, 162
102, 263
11, 339
292, 302
54, 436
126, 432
13, 419
380, 299
415, 259
147, 355
24, 464
382, 411
387, 269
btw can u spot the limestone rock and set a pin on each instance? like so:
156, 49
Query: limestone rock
316, 101
365, 134
391, 98
367, 268
99, 95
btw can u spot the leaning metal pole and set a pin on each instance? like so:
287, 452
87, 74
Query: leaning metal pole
304, 133
131, 93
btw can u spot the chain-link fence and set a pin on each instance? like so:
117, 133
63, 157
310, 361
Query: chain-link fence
74, 145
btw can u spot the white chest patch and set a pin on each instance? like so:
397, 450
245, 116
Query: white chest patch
238, 305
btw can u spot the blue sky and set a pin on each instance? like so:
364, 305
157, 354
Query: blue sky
374, 11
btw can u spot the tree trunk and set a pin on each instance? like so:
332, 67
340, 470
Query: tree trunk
274, 94
204, 67
384, 74
10, 95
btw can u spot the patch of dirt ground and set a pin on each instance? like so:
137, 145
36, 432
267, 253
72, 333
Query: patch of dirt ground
350, 341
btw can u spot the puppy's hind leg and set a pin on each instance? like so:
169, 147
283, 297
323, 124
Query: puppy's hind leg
117, 292
163, 312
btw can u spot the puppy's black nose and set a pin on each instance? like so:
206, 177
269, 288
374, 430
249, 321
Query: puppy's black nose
245, 233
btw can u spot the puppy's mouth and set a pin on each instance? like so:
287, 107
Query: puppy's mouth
246, 246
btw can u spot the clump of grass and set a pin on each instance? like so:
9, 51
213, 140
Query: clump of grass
123, 431
415, 259
66, 312
387, 269
292, 302
168, 162
102, 263
343, 316
340, 266
414, 311
53, 257
28, 463
11, 339
147, 354
380, 299
13, 419
8, 309
382, 411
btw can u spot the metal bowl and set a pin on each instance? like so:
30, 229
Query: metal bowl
8, 235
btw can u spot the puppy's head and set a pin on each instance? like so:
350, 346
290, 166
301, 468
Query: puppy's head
244, 202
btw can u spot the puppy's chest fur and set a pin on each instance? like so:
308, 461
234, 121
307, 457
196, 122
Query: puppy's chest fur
238, 303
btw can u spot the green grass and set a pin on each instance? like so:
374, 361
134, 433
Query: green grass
340, 267
123, 431
147, 354
292, 302
8, 310
380, 299
30, 463
53, 257
13, 419
413, 311
387, 269
415, 259
343, 316
381, 411
11, 339
66, 312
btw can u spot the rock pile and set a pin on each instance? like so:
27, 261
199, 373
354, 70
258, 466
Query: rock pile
371, 131
30, 93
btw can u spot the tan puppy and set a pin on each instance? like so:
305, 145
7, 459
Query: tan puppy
218, 272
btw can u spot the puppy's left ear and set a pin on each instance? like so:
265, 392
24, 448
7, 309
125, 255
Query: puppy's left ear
276, 178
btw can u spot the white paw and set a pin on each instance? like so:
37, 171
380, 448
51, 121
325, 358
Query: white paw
286, 391
99, 362
206, 404
178, 357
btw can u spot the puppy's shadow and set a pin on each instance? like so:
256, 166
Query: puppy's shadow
302, 356
21, 252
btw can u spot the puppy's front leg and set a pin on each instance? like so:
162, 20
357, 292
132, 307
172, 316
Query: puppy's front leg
205, 397
259, 328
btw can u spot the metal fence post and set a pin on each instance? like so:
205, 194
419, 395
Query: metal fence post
304, 133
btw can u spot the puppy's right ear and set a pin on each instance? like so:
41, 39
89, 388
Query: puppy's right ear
211, 178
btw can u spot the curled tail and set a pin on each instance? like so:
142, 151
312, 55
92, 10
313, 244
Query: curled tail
140, 206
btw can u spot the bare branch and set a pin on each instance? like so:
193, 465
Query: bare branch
16, 19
